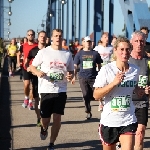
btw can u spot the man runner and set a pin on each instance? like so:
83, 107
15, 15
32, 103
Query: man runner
141, 103
56, 68
33, 52
26, 75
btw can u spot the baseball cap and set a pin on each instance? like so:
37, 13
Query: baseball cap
87, 38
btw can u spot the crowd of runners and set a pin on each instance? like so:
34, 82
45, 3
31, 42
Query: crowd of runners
115, 75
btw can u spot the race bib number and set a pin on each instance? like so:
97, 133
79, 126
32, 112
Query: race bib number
143, 80
56, 76
121, 103
87, 64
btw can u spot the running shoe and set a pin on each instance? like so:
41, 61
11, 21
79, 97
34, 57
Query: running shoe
43, 133
89, 116
50, 147
118, 146
38, 123
25, 104
10, 74
30, 106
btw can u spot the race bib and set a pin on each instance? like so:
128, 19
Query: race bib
143, 80
120, 103
56, 76
87, 64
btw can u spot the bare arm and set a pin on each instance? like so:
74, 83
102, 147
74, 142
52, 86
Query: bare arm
18, 57
36, 72
99, 93
75, 70
99, 66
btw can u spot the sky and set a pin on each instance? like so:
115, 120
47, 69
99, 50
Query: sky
28, 14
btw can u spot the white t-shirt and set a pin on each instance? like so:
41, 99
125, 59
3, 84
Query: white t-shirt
55, 63
118, 109
105, 53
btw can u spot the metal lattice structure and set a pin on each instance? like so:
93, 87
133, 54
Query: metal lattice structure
1, 19
79, 18
136, 14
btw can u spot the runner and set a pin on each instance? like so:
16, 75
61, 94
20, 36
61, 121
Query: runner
48, 43
33, 52
56, 68
145, 30
88, 59
104, 49
115, 83
141, 103
105, 52
12, 56
26, 75
64, 44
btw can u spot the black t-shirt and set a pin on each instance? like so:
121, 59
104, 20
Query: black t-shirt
32, 53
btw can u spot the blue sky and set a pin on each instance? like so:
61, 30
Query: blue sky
28, 14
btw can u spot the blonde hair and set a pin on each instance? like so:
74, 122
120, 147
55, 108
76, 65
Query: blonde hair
119, 40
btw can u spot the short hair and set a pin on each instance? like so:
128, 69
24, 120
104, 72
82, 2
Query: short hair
145, 28
57, 30
138, 33
64, 40
82, 39
41, 32
13, 39
31, 31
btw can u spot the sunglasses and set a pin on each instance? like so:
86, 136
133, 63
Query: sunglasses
30, 34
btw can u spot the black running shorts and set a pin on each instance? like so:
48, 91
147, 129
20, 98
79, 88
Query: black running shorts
34, 80
52, 103
110, 135
142, 115
26, 75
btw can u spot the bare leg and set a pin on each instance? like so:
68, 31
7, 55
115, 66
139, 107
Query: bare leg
55, 127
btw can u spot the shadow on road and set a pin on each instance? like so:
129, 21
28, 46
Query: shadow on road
147, 143
5, 112
66, 122
94, 145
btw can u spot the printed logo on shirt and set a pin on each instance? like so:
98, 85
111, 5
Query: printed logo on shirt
56, 64
121, 103
127, 84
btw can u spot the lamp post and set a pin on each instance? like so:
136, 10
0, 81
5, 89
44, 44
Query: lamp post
9, 22
10, 1
8, 32
58, 11
9, 12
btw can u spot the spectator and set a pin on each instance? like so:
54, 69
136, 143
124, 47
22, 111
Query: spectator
145, 31
64, 44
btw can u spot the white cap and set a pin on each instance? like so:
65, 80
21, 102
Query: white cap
87, 38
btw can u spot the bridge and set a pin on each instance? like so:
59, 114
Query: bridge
18, 129
81, 18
